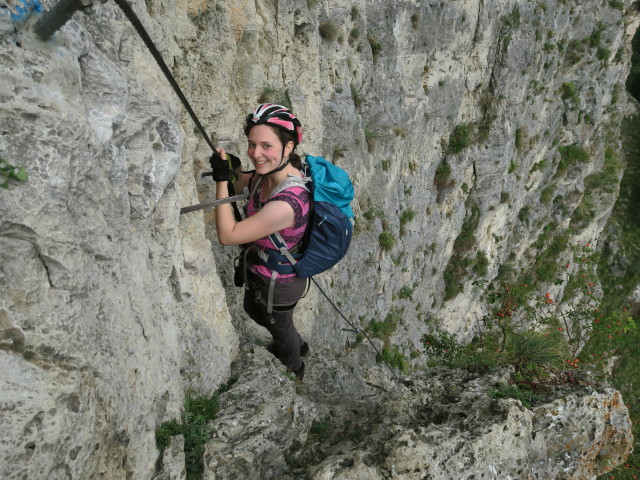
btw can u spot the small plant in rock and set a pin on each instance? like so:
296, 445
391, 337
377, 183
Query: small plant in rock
10, 173
275, 95
376, 46
328, 30
460, 138
405, 292
197, 411
405, 217
394, 358
385, 328
387, 240
524, 393
570, 155
356, 95
568, 91
442, 178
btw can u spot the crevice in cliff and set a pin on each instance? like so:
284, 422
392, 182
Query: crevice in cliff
27, 234
476, 32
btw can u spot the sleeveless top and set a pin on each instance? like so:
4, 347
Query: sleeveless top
300, 201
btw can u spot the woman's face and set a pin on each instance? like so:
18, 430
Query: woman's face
265, 149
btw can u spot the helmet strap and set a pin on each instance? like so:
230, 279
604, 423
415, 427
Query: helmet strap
283, 139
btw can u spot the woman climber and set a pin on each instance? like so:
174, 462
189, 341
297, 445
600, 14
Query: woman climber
278, 203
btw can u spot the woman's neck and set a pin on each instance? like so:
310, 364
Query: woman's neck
271, 181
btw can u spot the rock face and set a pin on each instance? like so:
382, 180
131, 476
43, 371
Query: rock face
448, 115
443, 424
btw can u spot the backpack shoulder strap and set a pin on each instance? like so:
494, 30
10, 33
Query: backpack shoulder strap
290, 181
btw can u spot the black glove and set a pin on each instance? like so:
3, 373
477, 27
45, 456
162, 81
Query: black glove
223, 169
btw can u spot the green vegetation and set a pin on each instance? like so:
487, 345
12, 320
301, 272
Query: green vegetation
619, 276
570, 155
456, 272
633, 80
568, 91
196, 414
405, 217
405, 292
328, 30
460, 138
9, 173
574, 52
275, 95
443, 176
386, 240
542, 341
546, 194
538, 166
480, 265
376, 46
386, 328
522, 392
356, 95
394, 358
512, 20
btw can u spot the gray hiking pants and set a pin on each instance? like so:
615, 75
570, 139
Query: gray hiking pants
280, 322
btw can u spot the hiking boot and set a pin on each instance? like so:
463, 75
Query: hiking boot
299, 373
304, 349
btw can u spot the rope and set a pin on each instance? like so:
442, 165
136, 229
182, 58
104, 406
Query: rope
356, 329
137, 24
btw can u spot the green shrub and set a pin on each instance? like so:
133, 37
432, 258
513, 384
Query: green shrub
546, 195
356, 95
415, 21
194, 419
570, 155
568, 91
10, 173
407, 216
328, 30
521, 136
512, 20
538, 165
384, 329
386, 240
456, 272
481, 264
539, 348
405, 292
443, 173
394, 358
274, 95
460, 138
376, 46
523, 393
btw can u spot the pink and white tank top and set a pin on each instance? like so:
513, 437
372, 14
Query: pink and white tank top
300, 200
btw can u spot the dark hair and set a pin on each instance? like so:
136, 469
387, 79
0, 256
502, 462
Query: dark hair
285, 137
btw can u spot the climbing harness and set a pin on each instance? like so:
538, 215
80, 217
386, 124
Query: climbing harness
61, 12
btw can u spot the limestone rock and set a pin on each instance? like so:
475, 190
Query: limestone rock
173, 461
442, 425
113, 304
